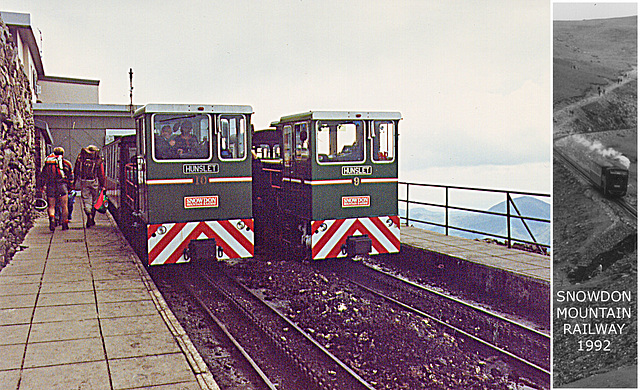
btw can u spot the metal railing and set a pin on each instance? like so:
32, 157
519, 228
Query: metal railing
508, 215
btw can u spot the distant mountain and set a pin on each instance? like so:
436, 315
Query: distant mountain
494, 224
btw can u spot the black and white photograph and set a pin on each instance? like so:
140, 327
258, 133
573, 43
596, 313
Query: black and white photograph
595, 106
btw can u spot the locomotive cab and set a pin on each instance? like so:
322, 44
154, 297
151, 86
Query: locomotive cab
610, 176
339, 183
193, 172
615, 181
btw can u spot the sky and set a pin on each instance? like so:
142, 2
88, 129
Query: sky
472, 80
598, 10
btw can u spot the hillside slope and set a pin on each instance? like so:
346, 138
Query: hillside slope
591, 53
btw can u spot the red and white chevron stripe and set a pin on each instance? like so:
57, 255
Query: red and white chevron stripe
330, 235
166, 242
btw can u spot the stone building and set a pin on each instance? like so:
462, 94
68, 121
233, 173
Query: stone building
17, 147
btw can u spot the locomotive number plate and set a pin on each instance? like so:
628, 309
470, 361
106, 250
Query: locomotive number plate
193, 202
356, 170
193, 169
356, 201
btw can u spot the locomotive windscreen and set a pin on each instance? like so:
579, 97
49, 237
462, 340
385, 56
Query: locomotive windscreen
181, 137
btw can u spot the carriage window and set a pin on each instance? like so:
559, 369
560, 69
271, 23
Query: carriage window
287, 145
232, 137
340, 141
302, 141
384, 136
181, 137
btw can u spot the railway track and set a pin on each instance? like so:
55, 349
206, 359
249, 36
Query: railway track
627, 208
525, 347
281, 354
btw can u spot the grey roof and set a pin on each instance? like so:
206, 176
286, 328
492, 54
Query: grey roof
78, 109
180, 108
335, 115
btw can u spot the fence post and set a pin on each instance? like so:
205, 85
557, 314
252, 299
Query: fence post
508, 220
446, 211
407, 213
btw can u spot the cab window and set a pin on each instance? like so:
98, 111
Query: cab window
287, 145
140, 135
302, 141
340, 141
232, 137
181, 137
383, 141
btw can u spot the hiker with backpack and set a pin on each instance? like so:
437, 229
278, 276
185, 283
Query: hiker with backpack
90, 179
57, 177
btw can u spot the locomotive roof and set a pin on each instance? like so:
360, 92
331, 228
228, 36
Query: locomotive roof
331, 115
608, 163
203, 108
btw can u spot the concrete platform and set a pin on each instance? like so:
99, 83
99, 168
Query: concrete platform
79, 311
516, 261
519, 280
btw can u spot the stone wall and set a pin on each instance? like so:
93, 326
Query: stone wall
17, 134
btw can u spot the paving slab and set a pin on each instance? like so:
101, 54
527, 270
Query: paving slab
123, 294
11, 356
90, 375
10, 378
79, 311
149, 371
127, 309
141, 344
133, 325
65, 313
15, 280
66, 298
53, 353
15, 316
18, 289
64, 330
17, 301
24, 268
68, 286
71, 276
123, 284
14, 334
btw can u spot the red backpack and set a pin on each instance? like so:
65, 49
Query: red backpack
52, 168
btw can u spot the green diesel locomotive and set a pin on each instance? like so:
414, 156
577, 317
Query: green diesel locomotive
181, 189
326, 183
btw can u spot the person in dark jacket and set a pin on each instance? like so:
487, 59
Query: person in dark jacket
90, 179
57, 177
165, 145
186, 143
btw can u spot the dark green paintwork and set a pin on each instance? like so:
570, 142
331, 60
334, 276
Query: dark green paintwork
166, 201
322, 202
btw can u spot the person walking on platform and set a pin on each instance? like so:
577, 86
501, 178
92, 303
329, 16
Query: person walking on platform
90, 179
57, 177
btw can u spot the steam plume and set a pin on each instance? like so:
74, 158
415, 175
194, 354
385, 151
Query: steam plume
608, 154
